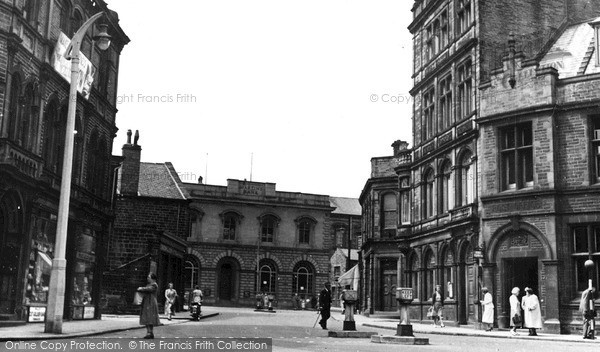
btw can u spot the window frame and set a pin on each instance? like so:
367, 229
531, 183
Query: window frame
389, 214
595, 148
514, 153
445, 101
465, 189
591, 251
464, 90
444, 185
428, 196
428, 113
464, 16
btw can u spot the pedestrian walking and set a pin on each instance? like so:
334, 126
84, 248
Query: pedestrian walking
586, 308
325, 305
488, 309
170, 296
437, 301
149, 312
532, 312
516, 318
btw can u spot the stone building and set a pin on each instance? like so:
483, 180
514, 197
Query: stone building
346, 227
502, 173
34, 94
540, 174
247, 237
151, 226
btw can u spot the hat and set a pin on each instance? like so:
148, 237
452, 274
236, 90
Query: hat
484, 289
528, 289
515, 290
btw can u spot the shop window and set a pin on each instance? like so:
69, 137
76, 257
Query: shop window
516, 149
429, 274
413, 276
43, 227
586, 245
596, 147
84, 265
447, 274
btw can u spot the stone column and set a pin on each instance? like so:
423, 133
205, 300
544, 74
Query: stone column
551, 300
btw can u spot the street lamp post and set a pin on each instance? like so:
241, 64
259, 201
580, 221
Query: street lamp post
56, 290
589, 265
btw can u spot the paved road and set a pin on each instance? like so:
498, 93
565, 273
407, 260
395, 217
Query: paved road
293, 331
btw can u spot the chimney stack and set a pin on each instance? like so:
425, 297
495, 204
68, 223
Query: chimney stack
399, 146
130, 171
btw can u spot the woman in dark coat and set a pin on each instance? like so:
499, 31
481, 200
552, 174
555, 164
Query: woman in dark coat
149, 313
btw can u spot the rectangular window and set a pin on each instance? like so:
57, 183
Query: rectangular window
586, 245
596, 147
229, 228
389, 211
304, 232
465, 90
444, 37
516, 150
428, 43
445, 101
464, 17
267, 230
428, 114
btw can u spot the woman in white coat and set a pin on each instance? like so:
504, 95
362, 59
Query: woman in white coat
488, 309
515, 311
533, 313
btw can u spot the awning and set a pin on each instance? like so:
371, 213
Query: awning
350, 277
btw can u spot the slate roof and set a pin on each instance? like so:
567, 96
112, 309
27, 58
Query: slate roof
346, 206
573, 53
344, 252
159, 180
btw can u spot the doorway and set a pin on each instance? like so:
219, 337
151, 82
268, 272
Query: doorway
226, 282
10, 250
521, 273
389, 275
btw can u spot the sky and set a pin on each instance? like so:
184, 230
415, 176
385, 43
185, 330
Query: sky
298, 93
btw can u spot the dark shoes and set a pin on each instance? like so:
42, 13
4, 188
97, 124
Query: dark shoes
149, 336
323, 326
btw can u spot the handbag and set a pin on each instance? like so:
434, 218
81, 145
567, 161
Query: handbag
137, 298
517, 320
430, 312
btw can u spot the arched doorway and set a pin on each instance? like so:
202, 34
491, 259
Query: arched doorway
227, 285
518, 254
10, 252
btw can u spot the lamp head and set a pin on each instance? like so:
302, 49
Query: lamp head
103, 38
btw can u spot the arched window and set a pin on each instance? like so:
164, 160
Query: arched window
30, 11
97, 164
268, 276
427, 201
389, 214
444, 194
191, 273
465, 180
447, 274
13, 107
76, 21
413, 275
51, 135
28, 113
64, 10
429, 274
302, 282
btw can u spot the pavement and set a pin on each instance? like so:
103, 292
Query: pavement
420, 329
116, 323
83, 328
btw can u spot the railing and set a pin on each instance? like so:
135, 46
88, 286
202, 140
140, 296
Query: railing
24, 161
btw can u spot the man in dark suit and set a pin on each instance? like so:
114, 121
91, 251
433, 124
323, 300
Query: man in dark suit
586, 308
325, 305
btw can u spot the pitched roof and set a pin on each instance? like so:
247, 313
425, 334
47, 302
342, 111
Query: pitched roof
347, 206
344, 252
159, 180
573, 53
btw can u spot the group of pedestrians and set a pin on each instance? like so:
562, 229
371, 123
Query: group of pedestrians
531, 318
